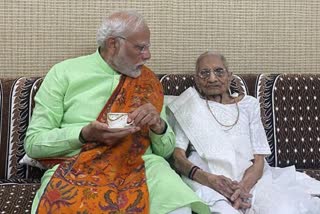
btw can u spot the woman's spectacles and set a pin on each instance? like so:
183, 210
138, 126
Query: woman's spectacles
218, 72
139, 47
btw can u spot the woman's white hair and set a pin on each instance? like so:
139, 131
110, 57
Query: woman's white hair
120, 23
212, 53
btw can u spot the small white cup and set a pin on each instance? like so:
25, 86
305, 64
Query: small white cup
118, 120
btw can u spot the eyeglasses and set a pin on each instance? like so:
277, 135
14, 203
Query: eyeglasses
218, 72
141, 48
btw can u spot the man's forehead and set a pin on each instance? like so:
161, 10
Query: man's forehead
140, 35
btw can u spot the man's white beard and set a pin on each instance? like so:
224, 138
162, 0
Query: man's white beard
133, 74
132, 71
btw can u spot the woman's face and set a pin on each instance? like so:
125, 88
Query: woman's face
212, 77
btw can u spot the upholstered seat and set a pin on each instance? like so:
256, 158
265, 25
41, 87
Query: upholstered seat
282, 97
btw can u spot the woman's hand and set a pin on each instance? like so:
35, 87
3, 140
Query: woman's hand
241, 198
239, 203
241, 192
221, 184
101, 133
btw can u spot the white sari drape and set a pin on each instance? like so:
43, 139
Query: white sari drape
223, 152
229, 153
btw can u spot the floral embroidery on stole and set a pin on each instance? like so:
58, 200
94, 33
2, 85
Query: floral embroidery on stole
108, 179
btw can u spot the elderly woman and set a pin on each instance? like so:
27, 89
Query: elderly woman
226, 143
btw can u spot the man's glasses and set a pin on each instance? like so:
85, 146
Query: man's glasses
205, 73
139, 47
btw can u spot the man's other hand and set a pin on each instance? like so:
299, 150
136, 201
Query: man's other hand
100, 132
148, 115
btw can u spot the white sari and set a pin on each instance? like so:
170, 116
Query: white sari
229, 153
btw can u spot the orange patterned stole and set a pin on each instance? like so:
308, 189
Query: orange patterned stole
105, 179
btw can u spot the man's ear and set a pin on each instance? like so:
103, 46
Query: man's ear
111, 43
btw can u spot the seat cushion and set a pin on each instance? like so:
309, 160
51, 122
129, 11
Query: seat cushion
314, 173
17, 197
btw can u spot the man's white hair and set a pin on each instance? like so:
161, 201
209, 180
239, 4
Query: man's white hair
120, 23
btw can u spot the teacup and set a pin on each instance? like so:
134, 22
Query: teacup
118, 120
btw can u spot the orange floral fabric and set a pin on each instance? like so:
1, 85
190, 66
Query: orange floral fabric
108, 179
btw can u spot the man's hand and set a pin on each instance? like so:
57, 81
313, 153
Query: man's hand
100, 132
147, 114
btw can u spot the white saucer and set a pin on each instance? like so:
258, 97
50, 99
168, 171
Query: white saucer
121, 129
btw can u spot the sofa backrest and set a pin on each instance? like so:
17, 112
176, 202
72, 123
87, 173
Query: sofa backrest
16, 108
175, 84
290, 111
292, 141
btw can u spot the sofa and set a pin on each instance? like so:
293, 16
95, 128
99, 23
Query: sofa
289, 105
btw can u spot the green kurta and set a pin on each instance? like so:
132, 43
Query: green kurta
70, 97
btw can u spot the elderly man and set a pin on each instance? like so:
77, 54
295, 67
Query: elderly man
102, 169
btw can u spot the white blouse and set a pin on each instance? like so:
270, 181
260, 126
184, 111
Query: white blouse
249, 124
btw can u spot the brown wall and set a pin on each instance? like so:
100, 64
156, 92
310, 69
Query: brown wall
255, 35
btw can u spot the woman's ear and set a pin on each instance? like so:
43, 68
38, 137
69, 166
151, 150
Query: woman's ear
196, 80
232, 94
230, 77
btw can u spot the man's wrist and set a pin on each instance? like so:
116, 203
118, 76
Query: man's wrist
162, 128
81, 138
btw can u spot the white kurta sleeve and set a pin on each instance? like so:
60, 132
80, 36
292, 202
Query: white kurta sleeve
257, 133
182, 140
